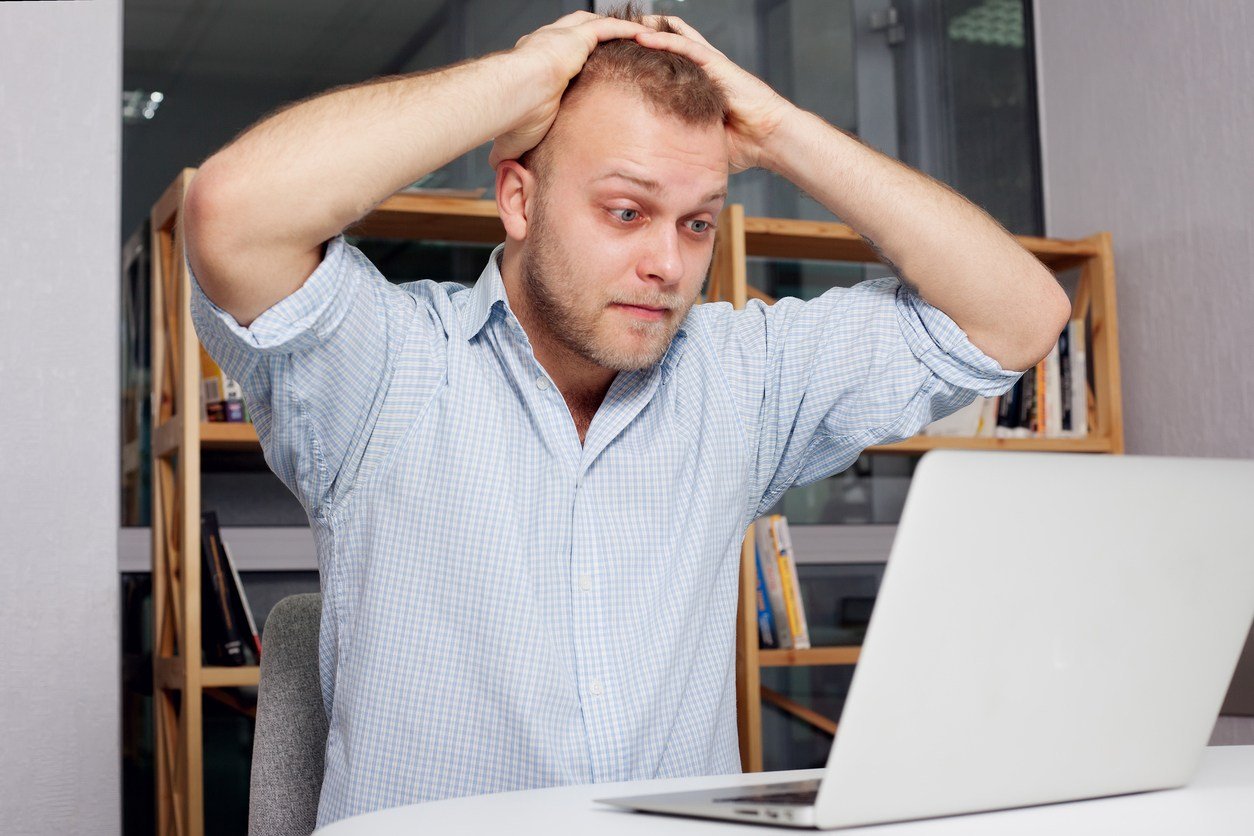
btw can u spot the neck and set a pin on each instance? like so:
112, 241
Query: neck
582, 383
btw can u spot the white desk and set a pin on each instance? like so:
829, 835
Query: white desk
1220, 800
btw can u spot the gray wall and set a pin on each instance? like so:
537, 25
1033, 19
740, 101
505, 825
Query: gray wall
59, 198
1147, 121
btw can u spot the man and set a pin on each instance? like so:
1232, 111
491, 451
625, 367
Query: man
528, 498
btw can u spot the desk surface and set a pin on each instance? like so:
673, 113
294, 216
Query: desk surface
1219, 800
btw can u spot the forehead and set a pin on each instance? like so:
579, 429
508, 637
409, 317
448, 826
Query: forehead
611, 130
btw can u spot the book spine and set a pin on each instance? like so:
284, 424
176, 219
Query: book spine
1053, 394
766, 619
774, 583
1064, 374
988, 417
1008, 409
792, 589
1038, 401
244, 610
228, 646
1026, 403
1079, 380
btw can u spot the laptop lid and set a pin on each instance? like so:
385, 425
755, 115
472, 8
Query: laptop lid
1051, 626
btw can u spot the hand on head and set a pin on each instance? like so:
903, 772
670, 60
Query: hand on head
754, 109
562, 46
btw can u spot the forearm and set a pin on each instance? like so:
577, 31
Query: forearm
959, 259
304, 174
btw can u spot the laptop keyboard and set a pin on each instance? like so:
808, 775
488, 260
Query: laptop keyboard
804, 797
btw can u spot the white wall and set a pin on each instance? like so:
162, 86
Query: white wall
1148, 132
59, 201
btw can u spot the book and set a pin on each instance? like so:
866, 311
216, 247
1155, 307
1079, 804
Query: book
793, 604
988, 417
240, 603
222, 639
1053, 394
1008, 410
1064, 375
767, 637
975, 420
1027, 406
963, 423
765, 547
1038, 401
1079, 379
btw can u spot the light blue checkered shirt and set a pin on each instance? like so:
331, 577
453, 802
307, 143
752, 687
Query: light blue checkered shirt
505, 608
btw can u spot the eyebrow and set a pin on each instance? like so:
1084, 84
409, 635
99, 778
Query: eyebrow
650, 185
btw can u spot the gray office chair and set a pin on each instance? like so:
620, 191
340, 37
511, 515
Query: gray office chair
291, 735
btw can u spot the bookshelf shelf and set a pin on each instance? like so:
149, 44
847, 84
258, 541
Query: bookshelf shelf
923, 443
809, 657
228, 436
743, 238
245, 676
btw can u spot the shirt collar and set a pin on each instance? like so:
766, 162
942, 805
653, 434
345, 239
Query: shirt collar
490, 289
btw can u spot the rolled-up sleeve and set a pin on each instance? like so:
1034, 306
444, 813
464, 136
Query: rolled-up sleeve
314, 367
818, 381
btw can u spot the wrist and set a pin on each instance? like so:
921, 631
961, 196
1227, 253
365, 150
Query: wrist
779, 146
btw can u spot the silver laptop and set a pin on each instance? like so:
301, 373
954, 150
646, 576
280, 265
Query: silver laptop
1051, 627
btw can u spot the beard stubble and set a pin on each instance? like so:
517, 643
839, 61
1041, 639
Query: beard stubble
545, 263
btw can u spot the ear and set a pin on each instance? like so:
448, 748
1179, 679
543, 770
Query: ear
515, 190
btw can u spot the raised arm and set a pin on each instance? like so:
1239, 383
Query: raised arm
1010, 306
259, 210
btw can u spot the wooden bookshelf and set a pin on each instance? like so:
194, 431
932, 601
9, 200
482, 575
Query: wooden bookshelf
742, 238
179, 437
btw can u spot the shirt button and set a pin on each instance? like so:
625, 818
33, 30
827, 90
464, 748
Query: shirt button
542, 383
585, 583
595, 688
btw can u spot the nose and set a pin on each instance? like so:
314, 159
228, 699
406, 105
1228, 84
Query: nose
661, 260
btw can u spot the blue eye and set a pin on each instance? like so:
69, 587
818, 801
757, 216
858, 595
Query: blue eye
635, 213
706, 226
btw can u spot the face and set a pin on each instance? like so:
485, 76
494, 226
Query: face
619, 242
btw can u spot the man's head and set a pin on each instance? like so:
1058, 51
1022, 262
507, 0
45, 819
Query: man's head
615, 207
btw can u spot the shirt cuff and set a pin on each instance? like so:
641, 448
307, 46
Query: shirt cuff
299, 320
944, 348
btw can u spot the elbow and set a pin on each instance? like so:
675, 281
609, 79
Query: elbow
1046, 325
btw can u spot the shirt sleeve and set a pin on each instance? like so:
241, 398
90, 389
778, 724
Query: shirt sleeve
315, 368
818, 381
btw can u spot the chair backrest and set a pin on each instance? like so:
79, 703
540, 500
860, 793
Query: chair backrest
291, 735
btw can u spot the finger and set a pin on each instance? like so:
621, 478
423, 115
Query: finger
681, 26
609, 28
702, 54
572, 19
